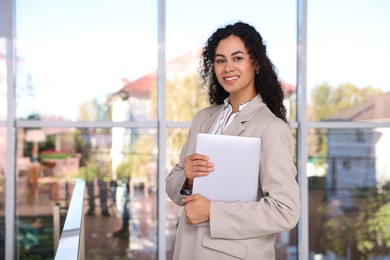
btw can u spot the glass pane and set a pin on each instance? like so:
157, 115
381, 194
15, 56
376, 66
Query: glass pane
185, 39
349, 193
3, 149
119, 167
72, 69
342, 51
3, 79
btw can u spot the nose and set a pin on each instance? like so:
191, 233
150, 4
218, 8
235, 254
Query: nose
228, 67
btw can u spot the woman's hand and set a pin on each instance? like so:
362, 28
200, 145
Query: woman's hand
197, 209
196, 165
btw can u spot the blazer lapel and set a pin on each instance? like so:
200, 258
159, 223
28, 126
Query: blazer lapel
238, 124
208, 123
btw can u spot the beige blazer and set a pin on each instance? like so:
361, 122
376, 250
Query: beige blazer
242, 230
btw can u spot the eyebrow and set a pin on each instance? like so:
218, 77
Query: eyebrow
233, 53
237, 52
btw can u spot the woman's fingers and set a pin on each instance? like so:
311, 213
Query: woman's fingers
197, 165
197, 209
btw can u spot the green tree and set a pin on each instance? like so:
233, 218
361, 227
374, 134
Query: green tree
137, 158
372, 224
89, 172
94, 110
364, 231
184, 98
125, 169
327, 101
337, 234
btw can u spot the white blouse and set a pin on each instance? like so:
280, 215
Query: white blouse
223, 121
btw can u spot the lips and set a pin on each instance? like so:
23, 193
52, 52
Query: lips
231, 78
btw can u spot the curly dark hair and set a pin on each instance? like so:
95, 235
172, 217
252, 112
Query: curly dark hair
266, 81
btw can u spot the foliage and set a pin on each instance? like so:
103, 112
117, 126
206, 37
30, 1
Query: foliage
125, 169
373, 224
136, 161
94, 110
185, 97
292, 107
35, 241
81, 146
191, 100
49, 143
327, 101
50, 154
365, 231
380, 224
89, 172
337, 234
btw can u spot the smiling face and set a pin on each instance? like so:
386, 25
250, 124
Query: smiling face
234, 69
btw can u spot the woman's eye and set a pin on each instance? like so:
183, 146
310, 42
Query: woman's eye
237, 58
219, 61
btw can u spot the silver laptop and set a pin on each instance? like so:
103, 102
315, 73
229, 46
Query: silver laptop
236, 167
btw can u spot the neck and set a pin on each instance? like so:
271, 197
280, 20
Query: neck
235, 102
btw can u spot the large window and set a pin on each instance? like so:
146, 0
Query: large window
71, 61
119, 167
348, 56
87, 92
348, 167
349, 193
94, 63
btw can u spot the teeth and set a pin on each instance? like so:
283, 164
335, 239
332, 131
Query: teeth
231, 78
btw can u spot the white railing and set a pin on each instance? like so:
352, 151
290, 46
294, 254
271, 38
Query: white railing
71, 242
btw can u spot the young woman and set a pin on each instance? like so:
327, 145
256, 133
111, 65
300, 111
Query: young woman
246, 100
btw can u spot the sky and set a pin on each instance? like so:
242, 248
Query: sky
72, 51
349, 41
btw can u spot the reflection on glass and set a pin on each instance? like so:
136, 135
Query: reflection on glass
119, 167
71, 70
349, 193
337, 48
3, 79
3, 149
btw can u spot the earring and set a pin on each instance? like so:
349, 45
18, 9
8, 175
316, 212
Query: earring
257, 71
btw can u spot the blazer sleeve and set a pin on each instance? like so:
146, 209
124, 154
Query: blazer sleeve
279, 208
176, 178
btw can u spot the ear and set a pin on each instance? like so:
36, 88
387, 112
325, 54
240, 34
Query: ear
256, 67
